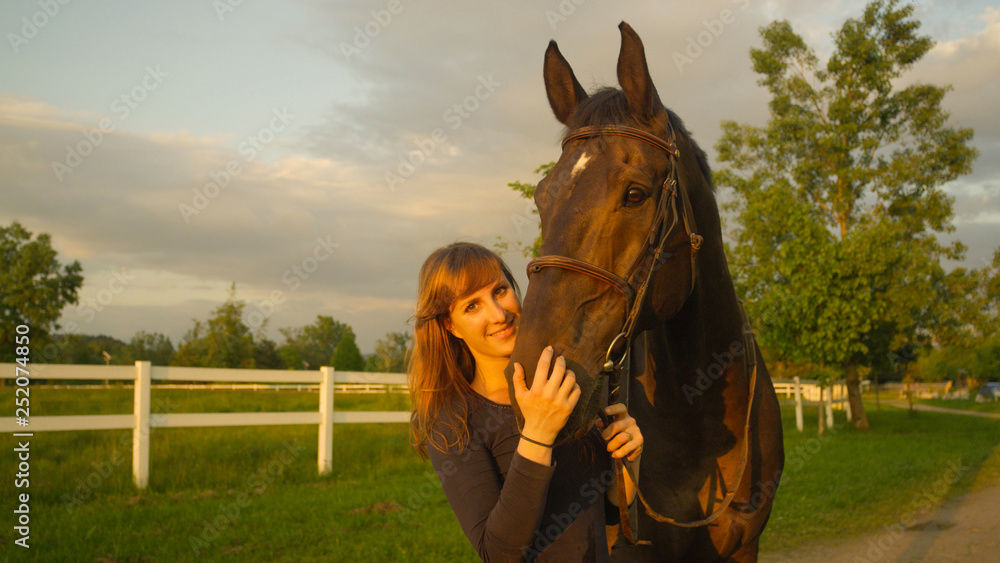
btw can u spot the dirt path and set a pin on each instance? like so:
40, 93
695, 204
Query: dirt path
965, 528
929, 408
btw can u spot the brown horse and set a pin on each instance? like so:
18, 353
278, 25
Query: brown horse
626, 284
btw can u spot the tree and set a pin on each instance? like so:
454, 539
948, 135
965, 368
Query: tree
34, 288
526, 191
152, 347
313, 343
266, 356
224, 341
838, 196
86, 349
390, 353
346, 356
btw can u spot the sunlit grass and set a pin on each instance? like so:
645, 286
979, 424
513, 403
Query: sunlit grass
853, 482
254, 493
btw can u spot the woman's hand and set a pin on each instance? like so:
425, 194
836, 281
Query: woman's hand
549, 402
622, 435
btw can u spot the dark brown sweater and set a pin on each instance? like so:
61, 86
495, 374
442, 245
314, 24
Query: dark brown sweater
515, 509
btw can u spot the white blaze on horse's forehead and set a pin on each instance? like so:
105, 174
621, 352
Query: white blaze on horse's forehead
580, 164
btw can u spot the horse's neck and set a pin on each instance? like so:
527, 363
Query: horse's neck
699, 355
694, 383
706, 328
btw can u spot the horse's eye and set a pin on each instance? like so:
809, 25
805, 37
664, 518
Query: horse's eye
635, 196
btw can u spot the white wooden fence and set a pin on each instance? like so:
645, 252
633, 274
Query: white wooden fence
140, 421
809, 392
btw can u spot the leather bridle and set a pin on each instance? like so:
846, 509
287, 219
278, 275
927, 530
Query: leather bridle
642, 267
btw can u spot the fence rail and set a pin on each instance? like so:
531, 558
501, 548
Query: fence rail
809, 392
363, 388
326, 380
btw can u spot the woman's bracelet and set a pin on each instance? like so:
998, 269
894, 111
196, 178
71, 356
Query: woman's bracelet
523, 437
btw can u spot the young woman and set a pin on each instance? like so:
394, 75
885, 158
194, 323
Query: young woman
515, 496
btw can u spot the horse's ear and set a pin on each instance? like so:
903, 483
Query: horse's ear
633, 75
564, 91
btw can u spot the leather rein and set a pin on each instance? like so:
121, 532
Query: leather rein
642, 267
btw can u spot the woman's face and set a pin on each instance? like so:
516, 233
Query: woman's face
487, 320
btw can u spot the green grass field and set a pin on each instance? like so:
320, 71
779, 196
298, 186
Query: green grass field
253, 493
962, 404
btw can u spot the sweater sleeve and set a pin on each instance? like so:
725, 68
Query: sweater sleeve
499, 517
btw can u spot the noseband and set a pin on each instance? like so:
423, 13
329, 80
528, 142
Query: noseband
655, 251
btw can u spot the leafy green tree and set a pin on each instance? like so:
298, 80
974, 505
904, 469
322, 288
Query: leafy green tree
987, 361
290, 358
980, 361
266, 356
347, 356
390, 353
224, 341
34, 288
74, 349
314, 343
987, 321
838, 196
520, 221
87, 349
964, 326
150, 347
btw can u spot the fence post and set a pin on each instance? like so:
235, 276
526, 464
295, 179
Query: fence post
140, 433
798, 404
325, 457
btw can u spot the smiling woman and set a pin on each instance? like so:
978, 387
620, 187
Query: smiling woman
486, 321
515, 495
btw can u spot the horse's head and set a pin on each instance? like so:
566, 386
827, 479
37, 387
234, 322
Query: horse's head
618, 242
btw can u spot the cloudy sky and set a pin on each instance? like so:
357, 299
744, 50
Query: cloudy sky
315, 152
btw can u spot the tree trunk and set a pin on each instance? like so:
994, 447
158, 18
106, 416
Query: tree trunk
858, 417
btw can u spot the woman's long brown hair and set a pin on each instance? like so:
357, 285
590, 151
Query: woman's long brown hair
441, 367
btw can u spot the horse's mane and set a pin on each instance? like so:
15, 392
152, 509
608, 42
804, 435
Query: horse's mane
608, 106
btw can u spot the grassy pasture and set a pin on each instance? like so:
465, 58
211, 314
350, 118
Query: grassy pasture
962, 404
253, 493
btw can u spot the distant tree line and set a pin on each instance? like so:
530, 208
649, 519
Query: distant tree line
224, 340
